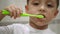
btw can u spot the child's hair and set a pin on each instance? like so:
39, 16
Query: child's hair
57, 2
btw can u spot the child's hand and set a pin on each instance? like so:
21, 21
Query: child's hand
14, 11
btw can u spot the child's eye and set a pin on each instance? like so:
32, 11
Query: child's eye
36, 4
50, 5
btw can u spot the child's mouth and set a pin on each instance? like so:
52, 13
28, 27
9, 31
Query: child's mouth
42, 19
42, 15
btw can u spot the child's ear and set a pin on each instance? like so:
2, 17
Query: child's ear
56, 12
26, 8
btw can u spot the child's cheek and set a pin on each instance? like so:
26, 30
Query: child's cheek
49, 16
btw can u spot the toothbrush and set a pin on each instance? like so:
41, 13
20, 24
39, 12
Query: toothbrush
5, 12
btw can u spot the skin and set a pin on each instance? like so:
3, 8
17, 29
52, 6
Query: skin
14, 12
48, 8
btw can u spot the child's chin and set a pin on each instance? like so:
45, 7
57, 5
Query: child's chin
41, 24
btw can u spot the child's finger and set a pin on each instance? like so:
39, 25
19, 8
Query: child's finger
14, 12
18, 12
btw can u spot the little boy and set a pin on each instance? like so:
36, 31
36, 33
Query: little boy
48, 8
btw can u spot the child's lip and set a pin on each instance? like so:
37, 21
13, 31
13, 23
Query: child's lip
41, 19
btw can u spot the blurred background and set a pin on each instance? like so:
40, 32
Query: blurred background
55, 25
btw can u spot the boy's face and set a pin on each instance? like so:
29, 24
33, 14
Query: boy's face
48, 8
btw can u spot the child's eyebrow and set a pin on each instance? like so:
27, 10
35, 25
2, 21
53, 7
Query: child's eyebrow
53, 1
41, 0
35, 0
45, 1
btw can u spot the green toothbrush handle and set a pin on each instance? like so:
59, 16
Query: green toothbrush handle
5, 12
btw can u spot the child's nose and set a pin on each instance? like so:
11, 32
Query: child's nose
42, 9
